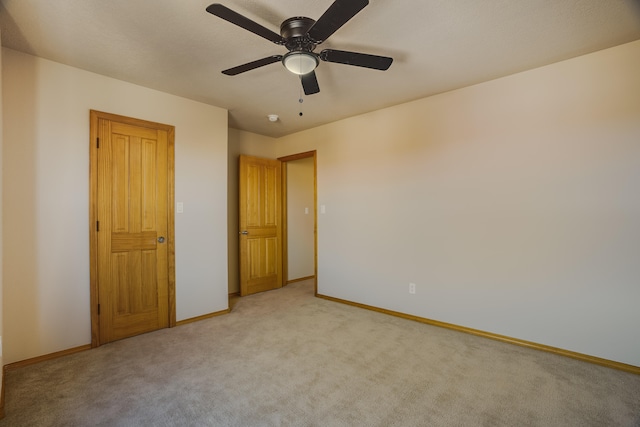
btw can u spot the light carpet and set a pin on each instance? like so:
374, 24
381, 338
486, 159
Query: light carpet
286, 358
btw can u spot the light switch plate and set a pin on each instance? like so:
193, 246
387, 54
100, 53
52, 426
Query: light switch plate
180, 207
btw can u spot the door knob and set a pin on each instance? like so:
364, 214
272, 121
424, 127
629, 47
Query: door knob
245, 232
161, 239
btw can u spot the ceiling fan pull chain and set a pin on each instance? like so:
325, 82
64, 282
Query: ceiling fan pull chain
300, 100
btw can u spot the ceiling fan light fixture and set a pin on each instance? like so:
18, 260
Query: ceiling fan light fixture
300, 62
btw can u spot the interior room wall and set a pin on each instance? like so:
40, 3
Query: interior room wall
46, 199
512, 205
251, 144
300, 218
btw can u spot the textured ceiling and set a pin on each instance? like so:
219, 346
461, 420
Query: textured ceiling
437, 45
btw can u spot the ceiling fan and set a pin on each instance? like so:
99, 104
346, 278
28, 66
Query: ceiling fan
301, 35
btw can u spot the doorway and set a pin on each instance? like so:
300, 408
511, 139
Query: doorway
299, 235
131, 227
240, 232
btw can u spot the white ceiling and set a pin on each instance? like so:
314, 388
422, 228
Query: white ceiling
437, 45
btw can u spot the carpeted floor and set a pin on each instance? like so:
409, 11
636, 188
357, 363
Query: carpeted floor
286, 358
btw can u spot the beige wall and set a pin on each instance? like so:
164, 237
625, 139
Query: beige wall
45, 200
512, 205
300, 218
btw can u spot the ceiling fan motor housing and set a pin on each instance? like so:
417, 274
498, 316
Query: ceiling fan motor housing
294, 32
300, 59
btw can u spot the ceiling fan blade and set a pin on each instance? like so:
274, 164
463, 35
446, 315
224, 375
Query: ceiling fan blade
246, 23
335, 17
310, 83
252, 65
358, 59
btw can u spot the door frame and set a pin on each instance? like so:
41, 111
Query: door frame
285, 240
94, 116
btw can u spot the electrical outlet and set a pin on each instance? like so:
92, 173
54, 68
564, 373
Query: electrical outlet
412, 288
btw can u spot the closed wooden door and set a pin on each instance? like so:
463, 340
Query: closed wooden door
134, 228
260, 225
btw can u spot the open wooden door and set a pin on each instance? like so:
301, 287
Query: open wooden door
132, 227
260, 225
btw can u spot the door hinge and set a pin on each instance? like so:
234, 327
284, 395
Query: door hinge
97, 142
97, 225
98, 309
